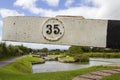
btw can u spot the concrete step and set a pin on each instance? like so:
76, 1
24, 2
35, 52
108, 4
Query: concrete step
96, 75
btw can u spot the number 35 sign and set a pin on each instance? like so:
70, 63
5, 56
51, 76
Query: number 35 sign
53, 29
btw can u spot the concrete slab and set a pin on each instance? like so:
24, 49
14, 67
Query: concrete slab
99, 73
55, 30
110, 71
118, 70
90, 76
80, 78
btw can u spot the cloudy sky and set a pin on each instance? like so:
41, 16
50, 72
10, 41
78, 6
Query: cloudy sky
91, 9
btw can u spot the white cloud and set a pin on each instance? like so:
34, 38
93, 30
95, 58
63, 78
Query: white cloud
101, 9
1, 23
108, 9
85, 2
7, 12
0, 39
86, 12
38, 46
30, 5
52, 2
25, 3
69, 3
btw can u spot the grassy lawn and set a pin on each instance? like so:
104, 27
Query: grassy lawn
58, 55
103, 55
21, 70
67, 59
112, 77
23, 65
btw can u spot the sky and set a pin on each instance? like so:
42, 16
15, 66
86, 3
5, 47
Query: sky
89, 9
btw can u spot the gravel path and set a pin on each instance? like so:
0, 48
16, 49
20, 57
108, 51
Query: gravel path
8, 61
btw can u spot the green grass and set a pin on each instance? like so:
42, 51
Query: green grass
57, 55
21, 70
103, 55
66, 59
34, 55
81, 58
23, 65
112, 77
64, 75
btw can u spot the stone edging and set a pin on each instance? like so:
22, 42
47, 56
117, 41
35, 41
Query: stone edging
96, 75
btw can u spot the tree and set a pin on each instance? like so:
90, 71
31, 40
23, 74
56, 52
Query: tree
97, 49
44, 50
55, 51
24, 49
86, 49
1, 52
4, 49
75, 49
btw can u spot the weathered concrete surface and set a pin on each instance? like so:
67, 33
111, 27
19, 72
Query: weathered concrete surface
99, 73
77, 31
118, 70
96, 75
80, 78
90, 76
110, 71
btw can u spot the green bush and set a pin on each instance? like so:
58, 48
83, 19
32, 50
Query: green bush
66, 59
7, 51
81, 58
103, 55
75, 50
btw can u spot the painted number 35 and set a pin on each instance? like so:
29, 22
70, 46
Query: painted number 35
53, 29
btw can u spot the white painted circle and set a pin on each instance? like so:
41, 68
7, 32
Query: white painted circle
53, 29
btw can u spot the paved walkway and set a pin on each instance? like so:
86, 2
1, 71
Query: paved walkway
6, 62
96, 75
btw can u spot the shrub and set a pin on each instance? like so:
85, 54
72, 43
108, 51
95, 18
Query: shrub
75, 49
104, 55
66, 59
81, 58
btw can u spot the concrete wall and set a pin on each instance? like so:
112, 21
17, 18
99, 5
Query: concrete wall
73, 30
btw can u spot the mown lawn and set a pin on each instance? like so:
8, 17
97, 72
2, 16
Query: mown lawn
21, 70
112, 77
